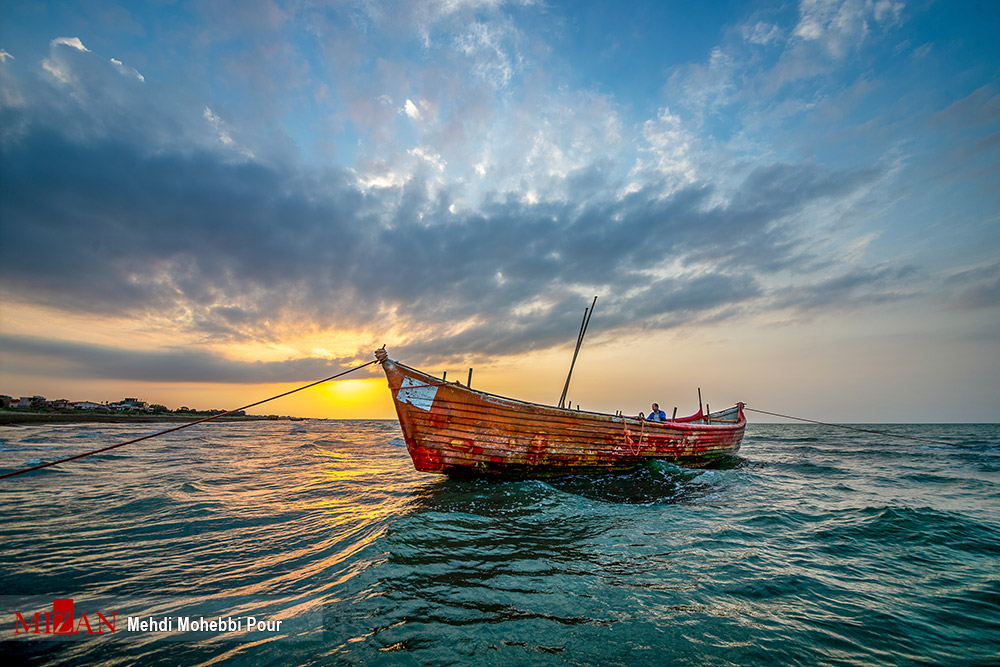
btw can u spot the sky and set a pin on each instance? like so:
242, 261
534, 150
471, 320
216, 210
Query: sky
791, 204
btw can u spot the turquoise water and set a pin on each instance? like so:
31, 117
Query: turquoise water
818, 546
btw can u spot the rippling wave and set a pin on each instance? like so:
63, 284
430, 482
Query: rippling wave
815, 547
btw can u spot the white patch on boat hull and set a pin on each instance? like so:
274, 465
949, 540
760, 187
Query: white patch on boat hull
416, 394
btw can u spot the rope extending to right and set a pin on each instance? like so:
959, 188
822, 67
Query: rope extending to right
851, 428
182, 426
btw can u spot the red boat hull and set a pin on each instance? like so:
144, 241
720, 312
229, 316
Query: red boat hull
455, 430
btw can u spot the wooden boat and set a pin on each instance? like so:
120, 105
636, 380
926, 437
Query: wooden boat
455, 430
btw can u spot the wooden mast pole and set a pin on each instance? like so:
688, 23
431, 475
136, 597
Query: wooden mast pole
587, 313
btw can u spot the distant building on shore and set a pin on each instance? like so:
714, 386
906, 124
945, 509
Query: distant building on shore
41, 403
130, 405
31, 402
87, 405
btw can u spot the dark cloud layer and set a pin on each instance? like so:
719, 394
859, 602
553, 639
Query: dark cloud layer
114, 220
67, 359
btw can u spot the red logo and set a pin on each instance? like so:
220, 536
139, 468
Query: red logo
62, 621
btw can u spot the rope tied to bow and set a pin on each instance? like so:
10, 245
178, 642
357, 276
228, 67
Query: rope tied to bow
182, 426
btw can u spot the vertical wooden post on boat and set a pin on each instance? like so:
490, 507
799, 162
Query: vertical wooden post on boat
699, 400
708, 411
469, 382
675, 414
587, 313
444, 377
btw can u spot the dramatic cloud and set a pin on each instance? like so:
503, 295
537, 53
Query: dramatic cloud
233, 249
70, 41
78, 360
841, 25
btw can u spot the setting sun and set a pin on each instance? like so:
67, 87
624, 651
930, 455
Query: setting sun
354, 399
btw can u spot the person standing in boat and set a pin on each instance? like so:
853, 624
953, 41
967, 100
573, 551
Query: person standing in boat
657, 415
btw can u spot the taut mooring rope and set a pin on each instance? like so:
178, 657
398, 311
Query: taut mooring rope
182, 426
852, 428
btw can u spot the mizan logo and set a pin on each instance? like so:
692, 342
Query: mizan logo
62, 621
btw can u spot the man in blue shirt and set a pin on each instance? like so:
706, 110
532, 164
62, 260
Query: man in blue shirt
657, 415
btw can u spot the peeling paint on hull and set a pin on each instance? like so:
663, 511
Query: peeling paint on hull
455, 430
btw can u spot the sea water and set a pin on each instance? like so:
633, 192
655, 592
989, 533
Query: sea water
816, 546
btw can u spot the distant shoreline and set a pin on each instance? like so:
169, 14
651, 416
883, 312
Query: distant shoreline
11, 418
